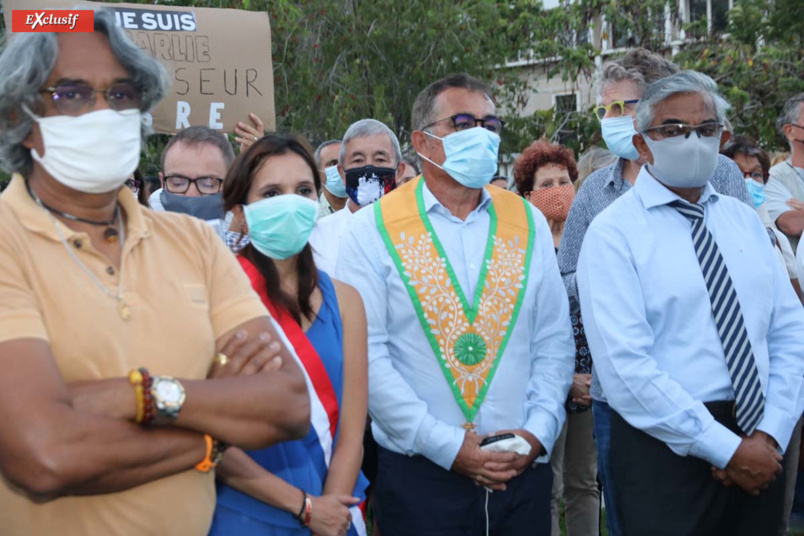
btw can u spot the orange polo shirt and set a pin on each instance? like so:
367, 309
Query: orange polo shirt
184, 289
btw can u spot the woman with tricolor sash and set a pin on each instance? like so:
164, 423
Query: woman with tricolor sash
313, 485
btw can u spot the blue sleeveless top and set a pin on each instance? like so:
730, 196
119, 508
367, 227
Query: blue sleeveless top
299, 462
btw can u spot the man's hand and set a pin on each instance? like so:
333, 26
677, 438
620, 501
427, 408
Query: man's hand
246, 135
755, 464
471, 462
245, 355
579, 391
795, 204
521, 462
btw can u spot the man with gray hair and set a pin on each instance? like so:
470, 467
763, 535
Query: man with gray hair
333, 195
369, 163
110, 393
620, 87
695, 330
785, 188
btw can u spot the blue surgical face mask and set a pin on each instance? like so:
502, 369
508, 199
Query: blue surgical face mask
757, 192
471, 156
334, 183
280, 226
618, 133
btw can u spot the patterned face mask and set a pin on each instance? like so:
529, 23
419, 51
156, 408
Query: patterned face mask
554, 202
366, 184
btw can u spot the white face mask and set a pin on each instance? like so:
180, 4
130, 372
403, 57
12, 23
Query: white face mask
683, 163
93, 153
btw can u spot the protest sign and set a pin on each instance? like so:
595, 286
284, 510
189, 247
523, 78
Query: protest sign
219, 60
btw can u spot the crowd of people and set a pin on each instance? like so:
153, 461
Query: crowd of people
290, 342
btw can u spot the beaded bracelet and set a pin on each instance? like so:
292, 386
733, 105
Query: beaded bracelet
135, 377
148, 403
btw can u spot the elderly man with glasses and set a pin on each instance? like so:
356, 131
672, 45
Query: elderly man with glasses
119, 390
695, 330
469, 333
620, 87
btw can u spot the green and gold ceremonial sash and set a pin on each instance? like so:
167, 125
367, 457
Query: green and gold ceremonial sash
468, 339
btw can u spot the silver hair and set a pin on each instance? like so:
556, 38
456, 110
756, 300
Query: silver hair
593, 159
639, 66
790, 113
365, 128
26, 62
317, 154
683, 82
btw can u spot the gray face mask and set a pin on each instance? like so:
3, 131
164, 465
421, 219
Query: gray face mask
208, 207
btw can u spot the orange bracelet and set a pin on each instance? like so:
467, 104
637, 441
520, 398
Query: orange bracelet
206, 464
135, 377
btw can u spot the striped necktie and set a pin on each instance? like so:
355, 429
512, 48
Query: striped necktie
750, 402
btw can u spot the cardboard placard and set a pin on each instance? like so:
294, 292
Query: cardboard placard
219, 60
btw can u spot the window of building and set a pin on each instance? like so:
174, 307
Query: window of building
719, 10
566, 104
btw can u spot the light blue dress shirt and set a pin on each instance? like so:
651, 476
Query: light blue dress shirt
410, 401
649, 321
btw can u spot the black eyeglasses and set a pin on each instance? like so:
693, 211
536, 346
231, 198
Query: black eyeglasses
179, 184
466, 121
677, 130
755, 175
75, 99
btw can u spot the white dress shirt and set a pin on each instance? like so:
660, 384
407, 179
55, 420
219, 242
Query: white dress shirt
784, 250
786, 182
410, 401
326, 238
649, 321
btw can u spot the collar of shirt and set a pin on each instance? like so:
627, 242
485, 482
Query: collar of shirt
616, 179
432, 204
799, 171
39, 220
652, 193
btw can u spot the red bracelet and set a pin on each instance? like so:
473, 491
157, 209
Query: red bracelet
308, 511
147, 381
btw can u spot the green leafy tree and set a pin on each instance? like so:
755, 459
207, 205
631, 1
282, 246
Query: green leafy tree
758, 64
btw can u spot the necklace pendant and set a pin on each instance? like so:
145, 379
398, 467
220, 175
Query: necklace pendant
125, 310
111, 235
468, 426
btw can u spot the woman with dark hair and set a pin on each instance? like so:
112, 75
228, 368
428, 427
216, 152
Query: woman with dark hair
314, 484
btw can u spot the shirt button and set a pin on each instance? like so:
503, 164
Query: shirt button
472, 266
110, 270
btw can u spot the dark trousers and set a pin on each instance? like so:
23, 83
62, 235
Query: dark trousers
660, 493
414, 496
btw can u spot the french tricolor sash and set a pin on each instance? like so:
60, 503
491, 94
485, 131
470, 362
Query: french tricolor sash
324, 411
